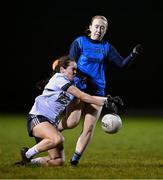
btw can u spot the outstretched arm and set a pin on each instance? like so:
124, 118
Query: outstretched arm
100, 101
111, 103
121, 62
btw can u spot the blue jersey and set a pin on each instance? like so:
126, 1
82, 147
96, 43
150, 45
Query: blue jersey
92, 57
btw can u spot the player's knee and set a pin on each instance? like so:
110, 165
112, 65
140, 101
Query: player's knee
61, 161
56, 140
56, 162
73, 124
89, 130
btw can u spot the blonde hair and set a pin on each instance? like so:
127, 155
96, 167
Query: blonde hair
54, 64
87, 31
99, 17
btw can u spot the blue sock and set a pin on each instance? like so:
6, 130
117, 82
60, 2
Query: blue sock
76, 157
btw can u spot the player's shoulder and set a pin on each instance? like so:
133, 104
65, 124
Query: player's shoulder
59, 76
80, 38
58, 80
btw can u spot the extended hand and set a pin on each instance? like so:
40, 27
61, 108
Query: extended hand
117, 100
138, 49
113, 102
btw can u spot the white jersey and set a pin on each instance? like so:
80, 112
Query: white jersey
54, 98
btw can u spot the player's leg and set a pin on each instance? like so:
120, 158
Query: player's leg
92, 113
72, 117
50, 136
56, 157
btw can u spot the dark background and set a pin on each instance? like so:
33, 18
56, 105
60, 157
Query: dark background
34, 32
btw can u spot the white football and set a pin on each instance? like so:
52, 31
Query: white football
111, 123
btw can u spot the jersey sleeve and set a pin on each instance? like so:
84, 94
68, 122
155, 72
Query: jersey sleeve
116, 58
75, 51
66, 86
58, 82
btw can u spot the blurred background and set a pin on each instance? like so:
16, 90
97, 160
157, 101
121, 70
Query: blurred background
37, 32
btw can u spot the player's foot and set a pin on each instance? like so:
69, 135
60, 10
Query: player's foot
25, 160
74, 163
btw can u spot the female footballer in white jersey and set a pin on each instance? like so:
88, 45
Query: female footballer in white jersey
43, 118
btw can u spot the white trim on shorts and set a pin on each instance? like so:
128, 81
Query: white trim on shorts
35, 120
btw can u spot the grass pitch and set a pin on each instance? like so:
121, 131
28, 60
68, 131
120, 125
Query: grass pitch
135, 152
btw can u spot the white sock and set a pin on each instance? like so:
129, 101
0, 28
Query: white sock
31, 152
36, 160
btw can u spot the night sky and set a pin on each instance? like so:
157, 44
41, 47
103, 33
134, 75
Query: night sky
36, 32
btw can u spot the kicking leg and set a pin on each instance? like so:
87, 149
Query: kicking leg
92, 113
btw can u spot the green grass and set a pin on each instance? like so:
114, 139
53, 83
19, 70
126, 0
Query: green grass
136, 151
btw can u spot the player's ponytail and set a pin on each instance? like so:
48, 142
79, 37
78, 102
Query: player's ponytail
55, 64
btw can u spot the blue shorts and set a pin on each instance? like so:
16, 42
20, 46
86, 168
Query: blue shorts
33, 120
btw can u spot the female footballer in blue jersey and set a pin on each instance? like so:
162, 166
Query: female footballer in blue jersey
92, 54
43, 117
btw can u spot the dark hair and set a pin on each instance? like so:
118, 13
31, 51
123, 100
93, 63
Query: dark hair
62, 61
